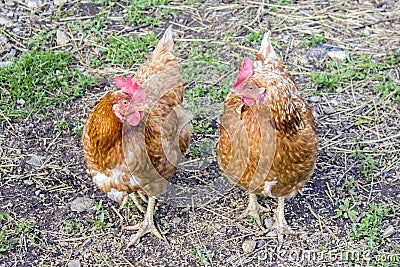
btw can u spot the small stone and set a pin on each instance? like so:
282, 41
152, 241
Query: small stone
10, 3
37, 192
5, 64
389, 231
82, 204
28, 182
269, 222
260, 243
10, 205
3, 39
315, 99
34, 161
217, 226
60, 2
62, 38
329, 110
249, 245
176, 220
33, 3
366, 32
74, 263
334, 102
6, 22
10, 14
20, 102
339, 56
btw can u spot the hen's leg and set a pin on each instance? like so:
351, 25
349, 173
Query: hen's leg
253, 209
146, 226
280, 224
137, 203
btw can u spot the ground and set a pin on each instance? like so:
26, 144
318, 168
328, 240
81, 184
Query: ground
348, 212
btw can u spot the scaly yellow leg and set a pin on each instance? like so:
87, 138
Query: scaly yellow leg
146, 226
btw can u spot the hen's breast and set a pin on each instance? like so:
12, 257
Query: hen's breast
259, 158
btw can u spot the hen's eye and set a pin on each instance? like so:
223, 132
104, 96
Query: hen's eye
125, 102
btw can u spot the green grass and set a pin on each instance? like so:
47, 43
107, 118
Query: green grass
361, 70
253, 39
202, 258
200, 70
17, 233
100, 224
126, 51
72, 227
313, 41
42, 80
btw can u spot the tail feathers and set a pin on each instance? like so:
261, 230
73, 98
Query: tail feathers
266, 50
167, 42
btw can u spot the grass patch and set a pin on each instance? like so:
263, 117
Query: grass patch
362, 70
126, 52
15, 233
313, 41
38, 81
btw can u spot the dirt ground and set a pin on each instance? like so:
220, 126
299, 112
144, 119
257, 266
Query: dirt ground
201, 228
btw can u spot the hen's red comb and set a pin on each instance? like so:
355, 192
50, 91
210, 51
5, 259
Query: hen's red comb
245, 72
126, 85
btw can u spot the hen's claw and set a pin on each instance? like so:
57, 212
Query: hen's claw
253, 209
146, 226
280, 224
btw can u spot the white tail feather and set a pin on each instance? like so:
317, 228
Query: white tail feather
266, 49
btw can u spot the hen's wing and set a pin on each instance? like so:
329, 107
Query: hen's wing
154, 148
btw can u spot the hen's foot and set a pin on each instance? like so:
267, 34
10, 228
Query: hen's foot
280, 225
146, 226
253, 209
134, 197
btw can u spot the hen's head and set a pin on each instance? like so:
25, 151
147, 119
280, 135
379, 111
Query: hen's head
245, 86
131, 102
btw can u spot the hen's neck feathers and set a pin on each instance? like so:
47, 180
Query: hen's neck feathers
282, 97
105, 128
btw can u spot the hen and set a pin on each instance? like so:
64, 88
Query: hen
268, 145
135, 137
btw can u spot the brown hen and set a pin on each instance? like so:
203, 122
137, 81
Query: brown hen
135, 137
268, 145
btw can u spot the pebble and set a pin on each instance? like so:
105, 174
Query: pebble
269, 222
329, 110
249, 245
5, 64
315, 99
339, 56
334, 102
60, 2
33, 3
20, 102
28, 182
74, 263
10, 3
389, 231
34, 161
176, 220
3, 39
366, 32
82, 204
260, 243
62, 38
5, 21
